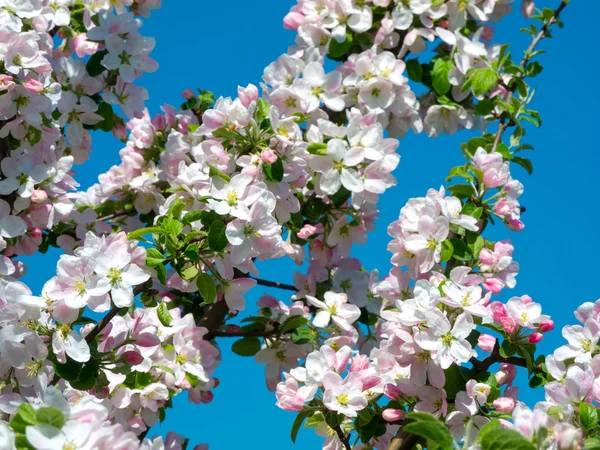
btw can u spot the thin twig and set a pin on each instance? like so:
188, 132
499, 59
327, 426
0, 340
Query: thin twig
528, 54
275, 284
217, 333
495, 357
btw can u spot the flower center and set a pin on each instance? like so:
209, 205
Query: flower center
115, 275
342, 399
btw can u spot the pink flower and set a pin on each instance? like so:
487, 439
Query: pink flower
527, 8
188, 94
504, 404
546, 325
392, 415
535, 337
33, 85
84, 47
506, 374
486, 342
269, 156
6, 82
308, 230
247, 94
344, 396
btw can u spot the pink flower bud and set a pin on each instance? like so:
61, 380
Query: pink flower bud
133, 357
159, 121
247, 94
506, 374
392, 415
6, 83
515, 225
207, 397
486, 342
35, 233
33, 85
527, 8
269, 156
251, 170
308, 230
498, 311
293, 20
120, 132
488, 33
217, 382
391, 391
546, 325
509, 324
535, 337
361, 362
188, 94
494, 285
504, 404
201, 447
39, 196
486, 256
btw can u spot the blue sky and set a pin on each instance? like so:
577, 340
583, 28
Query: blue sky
218, 45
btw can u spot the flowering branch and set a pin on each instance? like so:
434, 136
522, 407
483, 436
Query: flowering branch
504, 117
493, 358
343, 437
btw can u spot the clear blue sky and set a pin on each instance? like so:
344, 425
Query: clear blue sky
218, 45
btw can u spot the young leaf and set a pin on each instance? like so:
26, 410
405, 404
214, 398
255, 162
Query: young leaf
248, 346
217, 240
163, 315
206, 287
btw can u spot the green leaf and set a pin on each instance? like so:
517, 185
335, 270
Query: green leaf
439, 75
108, 116
456, 379
217, 240
248, 346
214, 172
302, 415
524, 163
337, 49
459, 171
142, 231
161, 273
192, 216
435, 432
507, 349
206, 287
317, 148
484, 107
172, 226
340, 197
274, 172
588, 415
465, 190
303, 335
189, 273
527, 351
94, 65
414, 70
591, 444
488, 428
504, 439
163, 315
24, 417
462, 251
154, 257
192, 252
262, 110
51, 416
142, 380
482, 80
292, 323
447, 250
470, 209
192, 379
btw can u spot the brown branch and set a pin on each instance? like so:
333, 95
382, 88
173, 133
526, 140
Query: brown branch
216, 333
493, 358
275, 284
345, 439
403, 441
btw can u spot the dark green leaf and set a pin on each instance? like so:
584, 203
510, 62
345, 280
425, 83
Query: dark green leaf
94, 65
292, 323
217, 240
274, 172
435, 432
302, 415
462, 251
447, 250
338, 50
524, 163
248, 346
414, 70
504, 439
206, 287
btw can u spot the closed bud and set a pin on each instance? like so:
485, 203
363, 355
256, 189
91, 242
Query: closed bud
133, 357
392, 415
546, 325
269, 156
486, 342
188, 93
504, 404
535, 337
